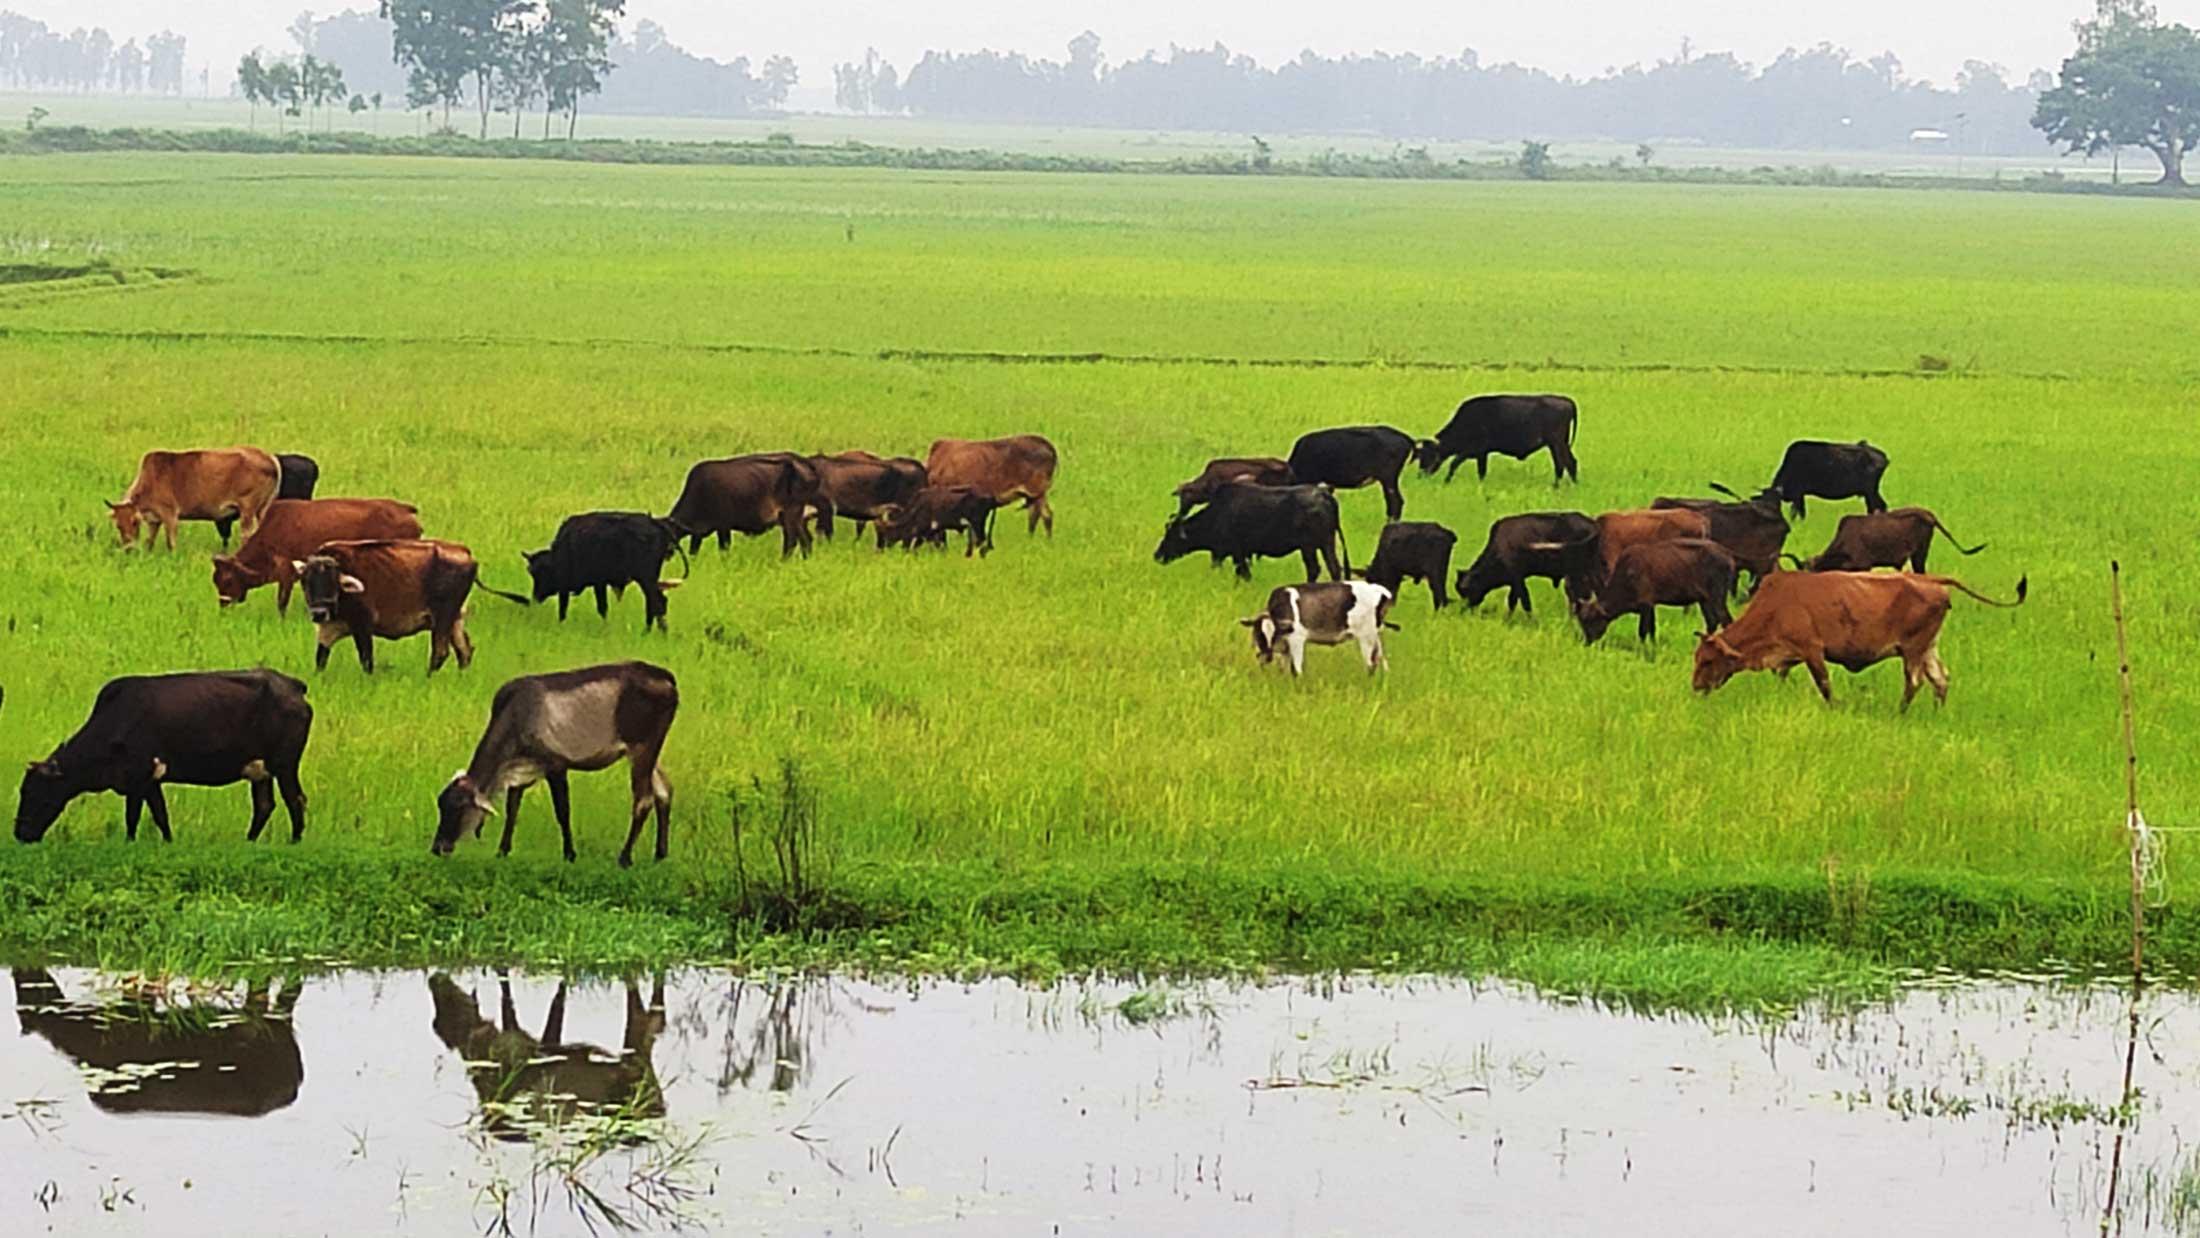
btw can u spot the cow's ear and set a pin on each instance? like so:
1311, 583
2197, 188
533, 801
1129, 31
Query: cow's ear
531, 555
351, 584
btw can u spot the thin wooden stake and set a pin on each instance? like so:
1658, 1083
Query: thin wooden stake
2135, 826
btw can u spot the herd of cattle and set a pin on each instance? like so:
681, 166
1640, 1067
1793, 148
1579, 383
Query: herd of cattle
368, 572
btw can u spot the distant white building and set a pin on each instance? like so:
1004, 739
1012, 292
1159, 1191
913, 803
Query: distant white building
1927, 136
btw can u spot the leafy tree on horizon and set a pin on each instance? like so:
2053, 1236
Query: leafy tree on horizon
2131, 82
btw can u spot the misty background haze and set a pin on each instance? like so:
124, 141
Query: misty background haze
1868, 73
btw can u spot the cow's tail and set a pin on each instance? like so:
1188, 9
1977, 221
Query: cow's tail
522, 599
1573, 423
1728, 492
1952, 538
1344, 552
2023, 585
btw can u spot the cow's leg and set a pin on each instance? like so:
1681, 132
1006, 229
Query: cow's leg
461, 642
1295, 645
1715, 614
652, 790
168, 523
284, 583
1482, 467
1244, 567
1313, 565
132, 807
1046, 513
561, 803
439, 647
603, 602
1436, 587
1797, 504
1646, 623
725, 541
158, 803
1913, 674
1371, 649
325, 637
564, 599
223, 524
1936, 672
1394, 500
1917, 561
1521, 595
294, 799
507, 1009
1453, 471
1816, 664
263, 807
511, 819
553, 1023
1872, 501
363, 640
653, 605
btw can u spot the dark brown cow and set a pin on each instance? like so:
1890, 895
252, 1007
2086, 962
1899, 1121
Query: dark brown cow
748, 495
936, 511
859, 484
1752, 530
1884, 539
392, 589
1850, 619
1230, 470
529, 1083
1684, 572
173, 486
295, 528
1020, 466
220, 1051
1618, 531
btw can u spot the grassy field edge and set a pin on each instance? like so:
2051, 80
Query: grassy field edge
1699, 942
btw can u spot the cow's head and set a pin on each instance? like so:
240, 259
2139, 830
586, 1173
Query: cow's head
1176, 541
1268, 632
232, 580
461, 807
1429, 454
325, 582
1716, 661
542, 573
1589, 612
46, 791
892, 522
125, 516
1481, 578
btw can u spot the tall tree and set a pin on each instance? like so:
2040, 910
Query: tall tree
449, 43
576, 53
780, 77
252, 83
2132, 82
164, 63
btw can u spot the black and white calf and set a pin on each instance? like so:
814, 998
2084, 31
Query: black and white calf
1328, 613
541, 726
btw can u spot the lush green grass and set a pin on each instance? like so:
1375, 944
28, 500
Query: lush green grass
507, 344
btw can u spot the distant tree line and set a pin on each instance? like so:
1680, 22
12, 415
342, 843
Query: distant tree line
1821, 97
33, 57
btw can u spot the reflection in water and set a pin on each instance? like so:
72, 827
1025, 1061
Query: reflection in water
769, 1033
527, 1083
145, 1053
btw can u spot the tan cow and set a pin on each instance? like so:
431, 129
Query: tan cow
295, 528
1851, 619
1020, 466
174, 486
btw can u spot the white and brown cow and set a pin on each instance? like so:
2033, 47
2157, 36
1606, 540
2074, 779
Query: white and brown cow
1327, 613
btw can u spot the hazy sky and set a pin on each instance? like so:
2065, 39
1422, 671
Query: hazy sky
1933, 37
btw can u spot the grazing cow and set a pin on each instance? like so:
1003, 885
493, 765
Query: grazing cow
295, 528
1231, 470
1828, 471
1020, 466
1413, 550
1322, 614
1507, 425
1270, 521
542, 726
527, 1083
934, 512
196, 728
1884, 539
1618, 531
1550, 545
602, 551
392, 589
1353, 456
1752, 529
1683, 572
859, 484
174, 486
1851, 619
300, 476
748, 495
207, 1054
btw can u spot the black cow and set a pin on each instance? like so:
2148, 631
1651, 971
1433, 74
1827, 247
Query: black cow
1752, 529
602, 551
1413, 550
299, 477
1684, 571
1271, 521
1828, 471
1354, 456
1550, 545
211, 1053
1506, 425
197, 728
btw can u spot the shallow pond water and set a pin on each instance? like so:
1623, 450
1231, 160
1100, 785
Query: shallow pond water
428, 1104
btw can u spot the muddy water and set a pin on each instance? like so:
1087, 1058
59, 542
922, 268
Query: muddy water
406, 1103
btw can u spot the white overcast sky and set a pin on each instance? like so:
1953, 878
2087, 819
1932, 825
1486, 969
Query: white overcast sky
1933, 37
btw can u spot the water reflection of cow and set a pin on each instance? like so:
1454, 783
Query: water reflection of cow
208, 1057
527, 1082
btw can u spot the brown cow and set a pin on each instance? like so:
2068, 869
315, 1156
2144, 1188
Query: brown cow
749, 494
1851, 619
1884, 539
295, 528
1752, 530
174, 486
859, 484
1020, 466
392, 589
936, 511
1617, 531
1229, 470
1683, 572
